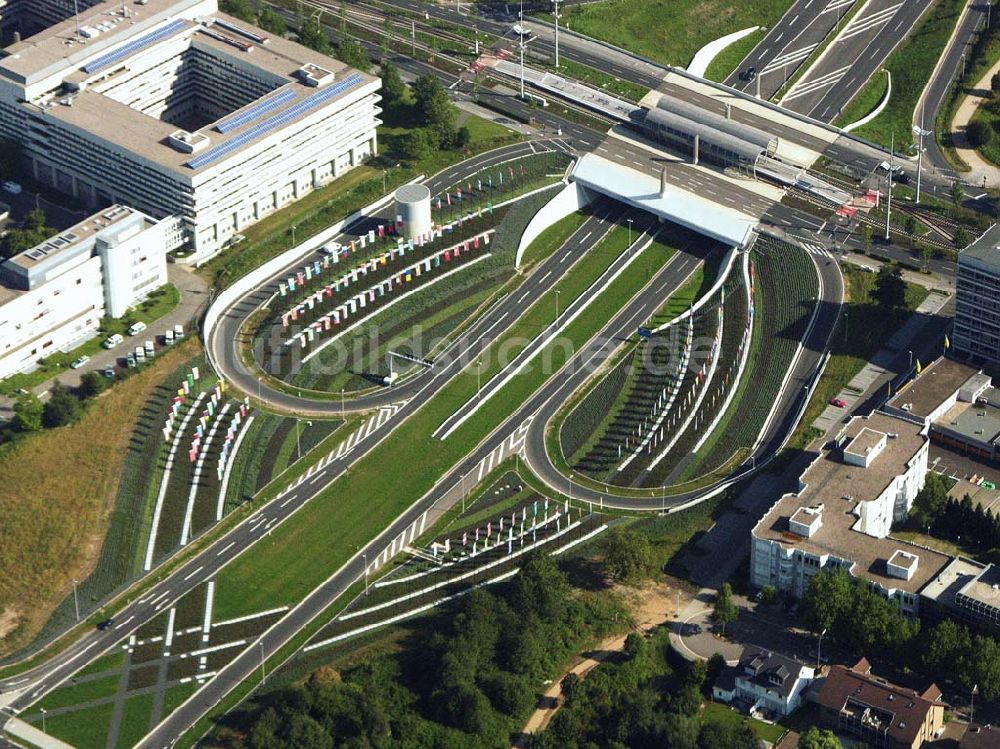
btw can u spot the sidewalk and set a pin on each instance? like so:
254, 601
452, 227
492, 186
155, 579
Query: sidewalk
194, 298
26, 732
980, 168
873, 374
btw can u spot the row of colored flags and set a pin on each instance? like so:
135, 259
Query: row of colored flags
187, 386
482, 538
348, 307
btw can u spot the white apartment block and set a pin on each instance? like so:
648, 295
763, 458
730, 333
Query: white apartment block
842, 514
53, 296
183, 112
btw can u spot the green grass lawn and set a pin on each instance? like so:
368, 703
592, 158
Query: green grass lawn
76, 694
670, 31
135, 720
726, 61
160, 302
552, 239
83, 729
862, 330
911, 65
716, 712
308, 547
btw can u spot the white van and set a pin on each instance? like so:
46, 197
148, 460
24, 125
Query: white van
178, 332
136, 328
113, 340
150, 349
140, 353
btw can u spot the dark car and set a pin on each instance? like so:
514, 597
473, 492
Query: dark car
749, 74
106, 625
902, 178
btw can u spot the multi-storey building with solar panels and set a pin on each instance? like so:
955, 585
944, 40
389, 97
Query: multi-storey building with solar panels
179, 110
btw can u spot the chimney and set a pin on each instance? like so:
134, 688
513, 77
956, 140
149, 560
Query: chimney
697, 143
663, 181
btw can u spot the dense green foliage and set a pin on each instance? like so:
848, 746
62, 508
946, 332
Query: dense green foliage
645, 700
627, 554
929, 502
724, 611
466, 682
890, 288
32, 231
61, 408
867, 623
814, 738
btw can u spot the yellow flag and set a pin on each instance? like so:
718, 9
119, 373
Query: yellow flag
918, 366
947, 343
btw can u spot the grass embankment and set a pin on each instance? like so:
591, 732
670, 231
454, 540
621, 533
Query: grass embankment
160, 302
669, 31
321, 537
726, 61
59, 490
551, 239
863, 329
911, 65
348, 193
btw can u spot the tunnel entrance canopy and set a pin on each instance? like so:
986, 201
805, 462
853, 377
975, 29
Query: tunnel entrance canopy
719, 139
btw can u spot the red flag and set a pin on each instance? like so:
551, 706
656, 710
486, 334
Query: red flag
511, 170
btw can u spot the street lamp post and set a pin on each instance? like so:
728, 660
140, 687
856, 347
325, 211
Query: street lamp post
888, 187
479, 378
920, 133
556, 14
365, 557
819, 647
293, 235
298, 441
629, 232
342, 416
43, 719
76, 601
263, 672
557, 304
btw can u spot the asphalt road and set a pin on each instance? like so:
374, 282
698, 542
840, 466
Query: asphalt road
857, 53
781, 424
787, 44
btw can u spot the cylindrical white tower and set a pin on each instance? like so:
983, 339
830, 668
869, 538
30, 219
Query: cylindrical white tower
413, 203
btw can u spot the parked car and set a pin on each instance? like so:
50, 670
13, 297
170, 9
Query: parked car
168, 338
113, 340
140, 354
150, 349
136, 328
77, 363
130, 360
838, 402
178, 332
109, 371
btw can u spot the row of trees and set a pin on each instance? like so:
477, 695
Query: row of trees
865, 622
956, 520
264, 15
63, 407
466, 682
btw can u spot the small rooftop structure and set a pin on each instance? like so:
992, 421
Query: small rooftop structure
936, 388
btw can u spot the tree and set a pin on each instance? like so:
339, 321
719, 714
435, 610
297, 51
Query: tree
627, 554
979, 133
437, 110
681, 731
995, 83
28, 413
312, 35
417, 144
930, 501
817, 739
239, 8
393, 88
957, 193
269, 20
910, 223
866, 236
715, 666
352, 53
946, 649
61, 409
462, 138
829, 595
890, 288
92, 384
306, 733
961, 239
724, 612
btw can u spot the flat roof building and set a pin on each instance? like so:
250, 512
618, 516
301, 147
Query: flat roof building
842, 514
183, 111
53, 296
977, 298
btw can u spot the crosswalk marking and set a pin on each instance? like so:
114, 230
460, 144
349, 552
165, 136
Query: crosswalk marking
815, 249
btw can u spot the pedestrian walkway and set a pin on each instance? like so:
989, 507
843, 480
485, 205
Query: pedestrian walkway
33, 736
982, 173
877, 371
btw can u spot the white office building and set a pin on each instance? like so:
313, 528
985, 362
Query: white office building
53, 296
183, 112
977, 299
842, 514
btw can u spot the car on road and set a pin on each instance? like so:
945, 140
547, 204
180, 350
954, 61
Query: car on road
107, 624
901, 177
77, 363
749, 74
838, 402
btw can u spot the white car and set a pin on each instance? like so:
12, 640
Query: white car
331, 249
79, 362
12, 187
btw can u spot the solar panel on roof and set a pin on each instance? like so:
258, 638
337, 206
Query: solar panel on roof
135, 45
256, 111
237, 142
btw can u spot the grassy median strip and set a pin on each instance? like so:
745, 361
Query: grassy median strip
319, 538
911, 65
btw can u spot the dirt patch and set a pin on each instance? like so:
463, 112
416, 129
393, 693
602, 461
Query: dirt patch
10, 618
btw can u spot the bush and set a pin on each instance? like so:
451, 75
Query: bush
92, 384
61, 409
979, 133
